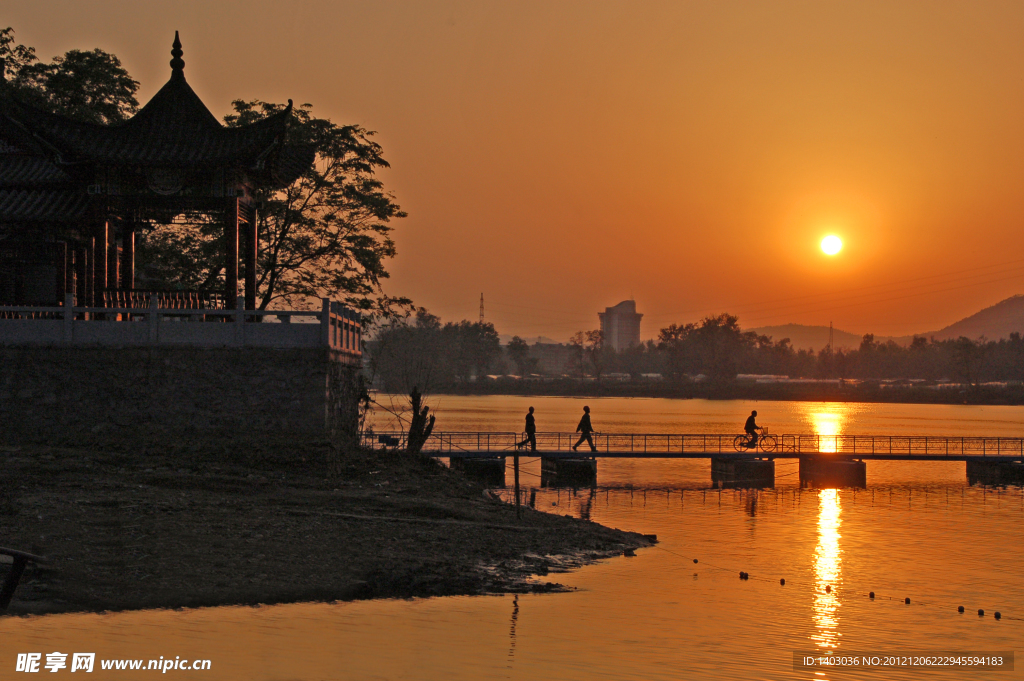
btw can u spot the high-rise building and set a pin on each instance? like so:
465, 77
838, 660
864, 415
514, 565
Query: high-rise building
620, 325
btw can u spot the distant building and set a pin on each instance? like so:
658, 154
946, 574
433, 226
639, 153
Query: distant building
620, 325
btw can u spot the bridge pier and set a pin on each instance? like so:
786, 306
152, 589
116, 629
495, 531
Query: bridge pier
563, 472
488, 470
752, 473
995, 472
832, 473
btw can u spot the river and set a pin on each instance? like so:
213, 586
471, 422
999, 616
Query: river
917, 531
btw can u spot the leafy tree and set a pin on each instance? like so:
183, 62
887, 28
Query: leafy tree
967, 359
588, 352
407, 354
471, 348
88, 85
519, 352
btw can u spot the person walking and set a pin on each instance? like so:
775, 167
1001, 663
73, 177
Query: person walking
585, 430
531, 433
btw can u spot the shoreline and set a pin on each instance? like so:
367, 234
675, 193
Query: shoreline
185, 526
1011, 395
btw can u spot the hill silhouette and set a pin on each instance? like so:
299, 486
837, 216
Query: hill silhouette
995, 322
804, 337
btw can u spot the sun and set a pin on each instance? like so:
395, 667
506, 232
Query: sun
831, 244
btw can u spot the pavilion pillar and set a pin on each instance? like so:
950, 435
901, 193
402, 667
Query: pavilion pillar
128, 257
60, 262
113, 265
231, 254
100, 248
251, 249
82, 277
70, 268
90, 273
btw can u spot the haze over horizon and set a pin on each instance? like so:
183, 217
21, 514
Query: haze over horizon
562, 157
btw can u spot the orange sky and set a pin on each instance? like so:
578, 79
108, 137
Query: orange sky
560, 156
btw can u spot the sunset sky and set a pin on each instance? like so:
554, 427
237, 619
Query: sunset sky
563, 156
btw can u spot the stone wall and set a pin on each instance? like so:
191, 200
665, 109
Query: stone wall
87, 393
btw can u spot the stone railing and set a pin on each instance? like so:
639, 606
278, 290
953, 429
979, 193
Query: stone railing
333, 326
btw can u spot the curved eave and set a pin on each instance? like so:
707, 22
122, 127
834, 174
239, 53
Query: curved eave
154, 140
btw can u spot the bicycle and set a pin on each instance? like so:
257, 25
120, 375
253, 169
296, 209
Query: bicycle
765, 442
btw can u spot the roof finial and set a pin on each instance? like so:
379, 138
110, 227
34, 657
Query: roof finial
177, 64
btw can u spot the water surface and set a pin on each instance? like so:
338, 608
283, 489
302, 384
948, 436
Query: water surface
918, 531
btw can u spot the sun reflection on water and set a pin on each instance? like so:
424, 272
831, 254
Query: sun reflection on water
827, 571
827, 422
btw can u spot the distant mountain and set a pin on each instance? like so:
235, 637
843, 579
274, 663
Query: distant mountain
803, 337
995, 322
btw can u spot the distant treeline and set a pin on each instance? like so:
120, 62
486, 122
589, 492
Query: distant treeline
422, 352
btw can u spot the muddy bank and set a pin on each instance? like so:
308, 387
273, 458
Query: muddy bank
194, 525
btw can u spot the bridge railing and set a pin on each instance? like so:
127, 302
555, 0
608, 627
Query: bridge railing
501, 443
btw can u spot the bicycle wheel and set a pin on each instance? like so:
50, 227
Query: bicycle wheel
740, 443
768, 443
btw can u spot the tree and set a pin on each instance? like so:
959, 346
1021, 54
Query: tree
519, 352
329, 233
587, 351
88, 85
967, 359
470, 347
406, 354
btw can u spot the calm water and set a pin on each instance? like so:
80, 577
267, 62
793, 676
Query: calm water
918, 531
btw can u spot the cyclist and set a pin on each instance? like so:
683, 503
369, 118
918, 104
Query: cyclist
750, 427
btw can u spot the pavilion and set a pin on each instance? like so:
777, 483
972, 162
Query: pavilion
74, 195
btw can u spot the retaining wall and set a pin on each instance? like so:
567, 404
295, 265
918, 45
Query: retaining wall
71, 393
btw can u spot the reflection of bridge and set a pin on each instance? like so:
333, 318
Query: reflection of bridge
824, 459
670, 446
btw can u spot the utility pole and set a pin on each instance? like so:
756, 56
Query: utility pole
481, 308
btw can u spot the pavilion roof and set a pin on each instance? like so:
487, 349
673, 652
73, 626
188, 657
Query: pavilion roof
174, 129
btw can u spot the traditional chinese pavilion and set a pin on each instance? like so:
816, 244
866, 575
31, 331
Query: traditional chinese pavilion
74, 195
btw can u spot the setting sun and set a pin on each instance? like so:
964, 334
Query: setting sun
831, 244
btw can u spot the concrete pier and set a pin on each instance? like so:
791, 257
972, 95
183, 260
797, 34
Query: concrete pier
561, 472
752, 473
995, 472
833, 473
490, 470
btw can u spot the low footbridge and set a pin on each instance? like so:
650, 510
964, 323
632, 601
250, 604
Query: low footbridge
483, 445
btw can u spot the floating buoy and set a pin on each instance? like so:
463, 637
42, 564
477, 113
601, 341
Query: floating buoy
629, 553
997, 615
694, 560
907, 601
960, 609
871, 594
981, 613
744, 575
782, 582
828, 589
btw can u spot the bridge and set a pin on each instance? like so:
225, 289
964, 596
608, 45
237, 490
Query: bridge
555, 445
824, 459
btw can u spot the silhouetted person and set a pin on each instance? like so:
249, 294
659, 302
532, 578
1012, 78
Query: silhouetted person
585, 429
750, 427
531, 433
